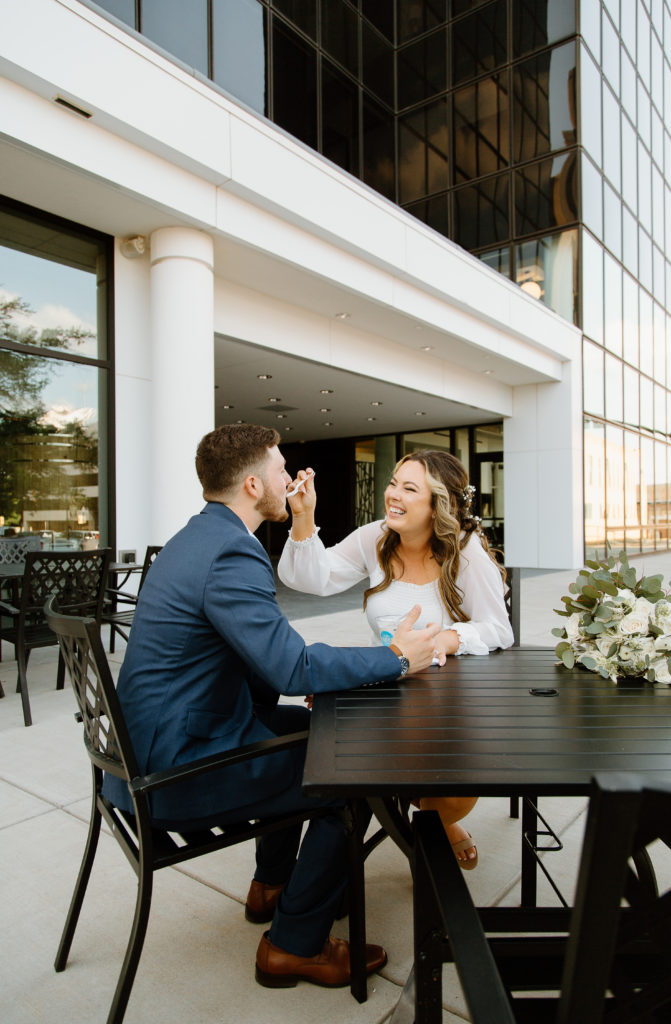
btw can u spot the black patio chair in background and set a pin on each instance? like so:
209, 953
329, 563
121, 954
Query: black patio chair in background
119, 607
77, 579
146, 847
598, 961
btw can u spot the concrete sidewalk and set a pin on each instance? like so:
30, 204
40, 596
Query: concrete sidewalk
198, 961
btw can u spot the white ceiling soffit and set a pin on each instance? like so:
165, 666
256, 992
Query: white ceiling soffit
291, 397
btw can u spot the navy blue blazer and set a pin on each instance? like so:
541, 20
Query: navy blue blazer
206, 627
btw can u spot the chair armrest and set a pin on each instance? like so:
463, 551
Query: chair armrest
8, 609
157, 780
482, 986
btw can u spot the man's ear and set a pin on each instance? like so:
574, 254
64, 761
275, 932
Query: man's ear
252, 486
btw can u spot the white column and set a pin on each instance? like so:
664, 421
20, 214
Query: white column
182, 336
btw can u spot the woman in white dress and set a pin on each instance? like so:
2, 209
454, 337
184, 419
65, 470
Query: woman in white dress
428, 551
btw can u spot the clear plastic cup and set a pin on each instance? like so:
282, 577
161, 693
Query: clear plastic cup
387, 626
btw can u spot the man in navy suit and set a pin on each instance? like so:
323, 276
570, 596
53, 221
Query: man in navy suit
207, 638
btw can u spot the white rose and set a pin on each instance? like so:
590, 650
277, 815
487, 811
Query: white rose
573, 626
661, 615
662, 674
663, 643
624, 597
638, 619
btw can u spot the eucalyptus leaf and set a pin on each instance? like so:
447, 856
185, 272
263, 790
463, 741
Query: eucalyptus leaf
560, 649
568, 657
558, 630
589, 663
612, 650
594, 628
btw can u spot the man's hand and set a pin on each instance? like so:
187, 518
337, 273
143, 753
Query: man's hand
418, 645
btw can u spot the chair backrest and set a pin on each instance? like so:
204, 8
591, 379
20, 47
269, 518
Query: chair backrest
14, 549
149, 556
512, 599
105, 734
76, 578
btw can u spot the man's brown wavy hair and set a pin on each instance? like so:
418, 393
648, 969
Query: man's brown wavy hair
226, 455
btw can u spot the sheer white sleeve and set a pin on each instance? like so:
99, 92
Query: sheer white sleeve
480, 582
313, 569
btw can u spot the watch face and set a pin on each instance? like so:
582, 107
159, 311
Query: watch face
405, 665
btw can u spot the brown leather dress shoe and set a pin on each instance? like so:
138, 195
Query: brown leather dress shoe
261, 902
277, 969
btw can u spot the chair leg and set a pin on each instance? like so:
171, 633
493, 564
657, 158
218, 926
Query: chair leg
135, 944
112, 637
80, 888
22, 655
514, 807
354, 829
60, 672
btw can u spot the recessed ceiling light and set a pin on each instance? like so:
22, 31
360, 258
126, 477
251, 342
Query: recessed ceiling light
229, 407
418, 327
288, 428
342, 316
327, 423
264, 376
426, 348
272, 400
281, 416
376, 403
324, 410
420, 414
371, 419
488, 371
326, 391
239, 421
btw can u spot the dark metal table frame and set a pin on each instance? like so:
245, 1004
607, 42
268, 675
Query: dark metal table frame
482, 726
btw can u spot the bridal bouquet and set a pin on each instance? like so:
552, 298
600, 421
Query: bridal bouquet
618, 625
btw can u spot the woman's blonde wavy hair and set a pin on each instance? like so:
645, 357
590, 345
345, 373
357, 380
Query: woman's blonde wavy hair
447, 480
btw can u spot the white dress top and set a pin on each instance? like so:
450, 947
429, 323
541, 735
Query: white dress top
313, 569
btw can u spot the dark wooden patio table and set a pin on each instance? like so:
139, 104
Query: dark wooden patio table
486, 726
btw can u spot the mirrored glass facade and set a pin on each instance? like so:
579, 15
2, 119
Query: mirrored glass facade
535, 133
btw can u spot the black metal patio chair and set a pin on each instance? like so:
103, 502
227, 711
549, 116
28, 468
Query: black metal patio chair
148, 848
120, 604
77, 579
607, 959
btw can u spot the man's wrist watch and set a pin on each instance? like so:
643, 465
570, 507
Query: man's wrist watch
405, 664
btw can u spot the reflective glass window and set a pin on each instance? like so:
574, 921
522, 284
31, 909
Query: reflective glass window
614, 403
646, 409
615, 486
592, 288
612, 280
239, 50
612, 220
423, 161
661, 495
590, 25
591, 191
378, 148
544, 103
419, 17
658, 273
660, 409
629, 241
647, 495
645, 259
631, 413
645, 332
643, 44
179, 28
632, 489
657, 73
593, 378
611, 53
659, 343
481, 213
644, 187
629, 175
551, 262
537, 23
628, 85
612, 137
667, 87
480, 128
377, 64
497, 259
340, 118
545, 194
340, 34
590, 107
657, 206
667, 216
613, 8
595, 488
294, 85
628, 27
303, 14
630, 318
479, 42
643, 113
381, 14
657, 139
422, 69
122, 9
432, 212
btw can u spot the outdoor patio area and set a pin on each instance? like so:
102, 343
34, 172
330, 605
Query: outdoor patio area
198, 960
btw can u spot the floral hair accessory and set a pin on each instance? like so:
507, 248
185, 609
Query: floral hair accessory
466, 500
618, 625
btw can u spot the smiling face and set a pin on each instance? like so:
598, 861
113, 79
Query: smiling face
408, 502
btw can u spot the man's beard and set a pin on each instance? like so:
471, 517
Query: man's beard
271, 507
